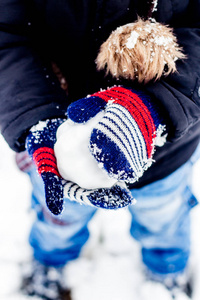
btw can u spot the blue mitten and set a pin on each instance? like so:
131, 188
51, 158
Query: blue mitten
40, 146
123, 142
117, 196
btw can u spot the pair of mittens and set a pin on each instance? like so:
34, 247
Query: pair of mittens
40, 146
122, 143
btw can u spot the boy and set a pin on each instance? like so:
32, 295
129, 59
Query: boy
70, 34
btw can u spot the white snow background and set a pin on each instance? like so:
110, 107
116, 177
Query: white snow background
109, 267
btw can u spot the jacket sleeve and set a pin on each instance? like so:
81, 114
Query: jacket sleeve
29, 91
179, 93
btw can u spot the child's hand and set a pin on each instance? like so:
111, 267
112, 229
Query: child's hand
40, 145
123, 141
74, 159
117, 196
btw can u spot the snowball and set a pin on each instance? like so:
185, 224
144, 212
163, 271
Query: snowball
74, 159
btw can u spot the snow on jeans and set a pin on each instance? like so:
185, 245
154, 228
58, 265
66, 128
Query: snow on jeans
160, 222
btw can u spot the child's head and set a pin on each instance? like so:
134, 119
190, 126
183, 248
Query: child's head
143, 50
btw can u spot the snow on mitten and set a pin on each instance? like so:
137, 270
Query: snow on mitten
118, 196
123, 141
40, 143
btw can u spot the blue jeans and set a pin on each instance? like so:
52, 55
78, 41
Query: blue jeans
57, 239
160, 223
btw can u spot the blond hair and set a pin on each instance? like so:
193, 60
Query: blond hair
142, 51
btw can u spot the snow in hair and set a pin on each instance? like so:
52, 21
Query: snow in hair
143, 50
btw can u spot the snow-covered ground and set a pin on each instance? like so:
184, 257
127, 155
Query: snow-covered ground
110, 265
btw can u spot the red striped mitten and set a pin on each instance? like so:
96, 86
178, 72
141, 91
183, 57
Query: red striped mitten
40, 143
123, 141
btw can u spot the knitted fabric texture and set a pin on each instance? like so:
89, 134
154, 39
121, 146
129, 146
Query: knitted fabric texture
40, 143
123, 142
115, 197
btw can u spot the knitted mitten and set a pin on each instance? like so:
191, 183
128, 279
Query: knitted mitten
40, 143
117, 196
124, 140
